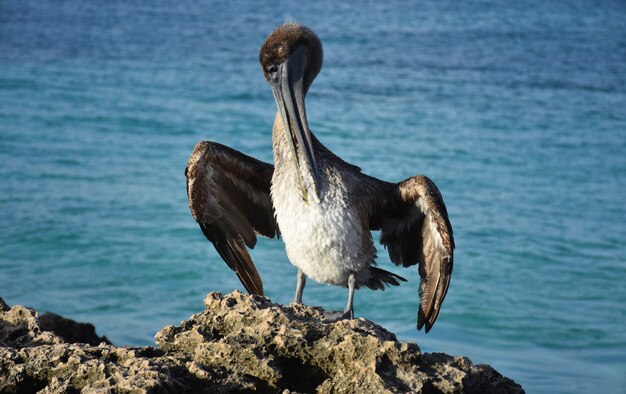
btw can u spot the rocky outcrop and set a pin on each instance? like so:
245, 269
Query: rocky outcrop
239, 343
71, 331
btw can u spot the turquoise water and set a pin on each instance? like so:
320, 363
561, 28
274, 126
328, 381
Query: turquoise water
517, 111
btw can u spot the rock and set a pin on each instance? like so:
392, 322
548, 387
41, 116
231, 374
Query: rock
238, 343
71, 331
3, 306
33, 360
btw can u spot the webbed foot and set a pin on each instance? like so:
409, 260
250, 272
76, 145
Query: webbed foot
333, 316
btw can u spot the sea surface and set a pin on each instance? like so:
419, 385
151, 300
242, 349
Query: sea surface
517, 110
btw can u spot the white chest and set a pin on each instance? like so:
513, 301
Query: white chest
326, 239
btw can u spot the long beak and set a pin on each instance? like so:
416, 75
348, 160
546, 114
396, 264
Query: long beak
288, 89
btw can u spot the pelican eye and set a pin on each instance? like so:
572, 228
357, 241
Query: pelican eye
272, 69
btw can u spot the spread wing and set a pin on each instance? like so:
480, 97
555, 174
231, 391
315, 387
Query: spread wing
229, 196
415, 229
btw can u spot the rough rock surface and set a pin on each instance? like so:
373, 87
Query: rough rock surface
71, 331
239, 343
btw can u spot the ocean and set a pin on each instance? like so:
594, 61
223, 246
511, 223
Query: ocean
517, 110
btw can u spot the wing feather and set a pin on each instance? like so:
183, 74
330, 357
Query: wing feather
229, 197
415, 229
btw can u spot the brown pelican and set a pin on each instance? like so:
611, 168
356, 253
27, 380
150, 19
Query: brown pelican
322, 207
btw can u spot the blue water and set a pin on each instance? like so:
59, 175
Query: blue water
517, 110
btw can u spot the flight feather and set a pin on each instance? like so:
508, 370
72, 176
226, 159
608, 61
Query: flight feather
229, 197
415, 229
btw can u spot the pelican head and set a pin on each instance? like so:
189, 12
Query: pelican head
291, 58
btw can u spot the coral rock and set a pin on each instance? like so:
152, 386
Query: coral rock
238, 343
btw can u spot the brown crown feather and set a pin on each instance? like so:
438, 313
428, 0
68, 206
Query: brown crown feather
283, 41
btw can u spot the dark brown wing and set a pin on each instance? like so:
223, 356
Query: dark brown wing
229, 196
415, 229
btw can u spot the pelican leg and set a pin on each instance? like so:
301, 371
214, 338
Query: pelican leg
300, 286
348, 311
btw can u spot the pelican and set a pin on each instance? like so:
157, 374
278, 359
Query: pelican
322, 207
